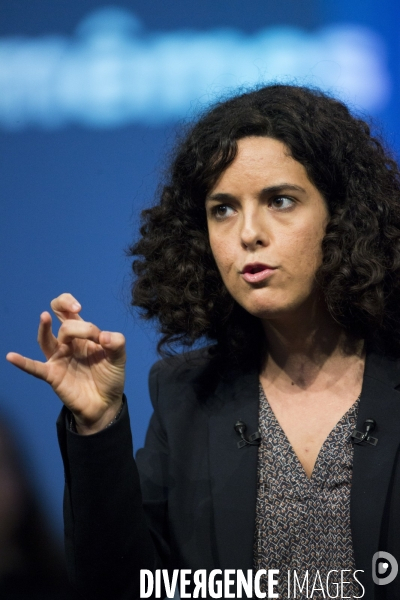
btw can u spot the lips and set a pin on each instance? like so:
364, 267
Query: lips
256, 272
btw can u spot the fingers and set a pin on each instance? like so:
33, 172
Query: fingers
113, 344
47, 341
72, 329
33, 367
65, 307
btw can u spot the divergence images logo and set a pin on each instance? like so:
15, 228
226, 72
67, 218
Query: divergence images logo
384, 568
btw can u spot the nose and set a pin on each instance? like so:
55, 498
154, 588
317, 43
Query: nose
253, 231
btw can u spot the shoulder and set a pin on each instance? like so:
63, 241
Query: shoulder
383, 368
190, 374
193, 366
186, 363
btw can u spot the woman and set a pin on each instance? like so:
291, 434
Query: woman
277, 240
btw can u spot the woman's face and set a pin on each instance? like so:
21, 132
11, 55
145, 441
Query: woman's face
266, 221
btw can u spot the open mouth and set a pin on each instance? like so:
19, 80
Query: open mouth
256, 272
255, 269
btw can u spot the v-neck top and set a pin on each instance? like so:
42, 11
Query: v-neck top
303, 524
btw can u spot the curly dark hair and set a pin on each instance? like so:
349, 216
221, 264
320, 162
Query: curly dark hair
176, 278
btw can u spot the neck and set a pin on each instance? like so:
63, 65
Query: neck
308, 348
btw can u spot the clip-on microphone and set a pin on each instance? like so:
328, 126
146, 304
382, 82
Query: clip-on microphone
254, 438
358, 437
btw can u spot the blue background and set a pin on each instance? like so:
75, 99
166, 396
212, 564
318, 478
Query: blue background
83, 153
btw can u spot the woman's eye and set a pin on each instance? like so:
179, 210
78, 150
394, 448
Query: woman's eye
221, 211
282, 202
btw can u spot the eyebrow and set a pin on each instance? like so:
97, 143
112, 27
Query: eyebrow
273, 189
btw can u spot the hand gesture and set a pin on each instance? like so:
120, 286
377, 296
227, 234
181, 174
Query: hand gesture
85, 366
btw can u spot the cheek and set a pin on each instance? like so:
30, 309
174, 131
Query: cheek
310, 253
223, 254
301, 256
307, 244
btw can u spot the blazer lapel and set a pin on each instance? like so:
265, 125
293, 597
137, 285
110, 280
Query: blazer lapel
373, 465
233, 470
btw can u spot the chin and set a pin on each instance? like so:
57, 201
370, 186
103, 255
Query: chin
269, 309
266, 311
268, 303
286, 311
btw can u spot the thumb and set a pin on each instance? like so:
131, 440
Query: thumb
113, 344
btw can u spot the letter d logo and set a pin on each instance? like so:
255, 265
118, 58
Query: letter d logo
384, 568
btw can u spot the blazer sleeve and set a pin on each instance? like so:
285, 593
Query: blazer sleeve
111, 532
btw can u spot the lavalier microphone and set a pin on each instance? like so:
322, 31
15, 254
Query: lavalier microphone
253, 440
358, 437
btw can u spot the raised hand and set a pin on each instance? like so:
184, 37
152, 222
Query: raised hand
85, 366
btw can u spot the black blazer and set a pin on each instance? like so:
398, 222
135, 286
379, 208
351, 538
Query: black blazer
189, 501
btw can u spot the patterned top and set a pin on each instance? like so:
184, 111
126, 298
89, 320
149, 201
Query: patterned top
302, 524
